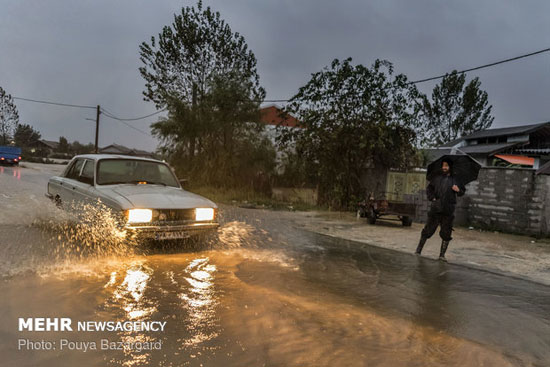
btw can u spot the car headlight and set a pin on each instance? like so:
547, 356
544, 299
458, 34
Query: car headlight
204, 214
140, 215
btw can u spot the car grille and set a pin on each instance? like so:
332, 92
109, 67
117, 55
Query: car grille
173, 215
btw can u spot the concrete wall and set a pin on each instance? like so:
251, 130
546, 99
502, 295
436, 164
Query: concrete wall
295, 195
504, 199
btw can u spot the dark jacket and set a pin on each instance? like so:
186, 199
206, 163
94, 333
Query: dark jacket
442, 196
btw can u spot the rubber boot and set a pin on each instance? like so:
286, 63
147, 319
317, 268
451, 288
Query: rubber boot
420, 245
444, 245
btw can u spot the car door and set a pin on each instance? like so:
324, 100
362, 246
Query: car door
83, 187
67, 183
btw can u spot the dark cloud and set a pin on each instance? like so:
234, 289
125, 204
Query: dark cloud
86, 52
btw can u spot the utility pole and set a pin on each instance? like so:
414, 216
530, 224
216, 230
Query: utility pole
97, 129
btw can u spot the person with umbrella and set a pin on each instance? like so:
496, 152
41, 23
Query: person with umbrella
447, 177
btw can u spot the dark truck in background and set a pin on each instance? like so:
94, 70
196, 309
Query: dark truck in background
10, 155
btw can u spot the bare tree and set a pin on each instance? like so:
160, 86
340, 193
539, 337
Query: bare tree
9, 117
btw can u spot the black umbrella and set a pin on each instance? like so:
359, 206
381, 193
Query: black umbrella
464, 168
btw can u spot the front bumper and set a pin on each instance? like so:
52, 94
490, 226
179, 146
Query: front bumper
168, 232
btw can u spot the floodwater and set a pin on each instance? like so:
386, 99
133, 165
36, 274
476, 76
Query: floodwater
265, 294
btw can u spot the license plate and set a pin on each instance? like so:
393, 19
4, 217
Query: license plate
171, 235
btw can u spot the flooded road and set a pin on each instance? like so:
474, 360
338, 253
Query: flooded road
266, 293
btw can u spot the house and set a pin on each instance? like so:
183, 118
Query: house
273, 117
121, 149
526, 146
48, 146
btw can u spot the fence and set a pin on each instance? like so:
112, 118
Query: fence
504, 199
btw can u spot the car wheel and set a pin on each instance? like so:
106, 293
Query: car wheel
58, 202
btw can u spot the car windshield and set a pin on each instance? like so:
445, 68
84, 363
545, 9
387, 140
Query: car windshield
133, 171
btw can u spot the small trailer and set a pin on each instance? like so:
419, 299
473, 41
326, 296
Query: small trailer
395, 200
373, 210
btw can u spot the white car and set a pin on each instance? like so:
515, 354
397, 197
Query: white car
146, 193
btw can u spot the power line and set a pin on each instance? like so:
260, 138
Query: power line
276, 100
123, 121
459, 72
135, 128
54, 103
111, 115
484, 66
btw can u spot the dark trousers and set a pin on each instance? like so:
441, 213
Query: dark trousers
439, 219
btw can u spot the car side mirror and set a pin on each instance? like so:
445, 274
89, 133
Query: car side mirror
183, 182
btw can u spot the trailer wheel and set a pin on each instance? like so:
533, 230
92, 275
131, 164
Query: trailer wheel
362, 213
371, 216
407, 221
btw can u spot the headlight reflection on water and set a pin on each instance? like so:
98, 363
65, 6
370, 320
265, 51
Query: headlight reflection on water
132, 290
199, 300
130, 297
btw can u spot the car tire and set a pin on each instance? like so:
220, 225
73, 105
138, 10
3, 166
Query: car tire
58, 202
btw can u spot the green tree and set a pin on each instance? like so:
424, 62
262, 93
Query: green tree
456, 109
353, 118
26, 136
180, 64
9, 117
77, 148
206, 77
63, 146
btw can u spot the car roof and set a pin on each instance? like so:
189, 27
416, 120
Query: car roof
98, 157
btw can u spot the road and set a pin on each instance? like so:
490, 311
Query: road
267, 294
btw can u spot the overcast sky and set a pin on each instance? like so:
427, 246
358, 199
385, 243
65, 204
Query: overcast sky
86, 52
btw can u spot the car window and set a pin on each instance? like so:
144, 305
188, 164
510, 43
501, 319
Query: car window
87, 174
116, 171
68, 168
74, 171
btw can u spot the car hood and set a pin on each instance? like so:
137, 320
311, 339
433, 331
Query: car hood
155, 197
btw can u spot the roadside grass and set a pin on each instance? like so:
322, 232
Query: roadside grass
248, 198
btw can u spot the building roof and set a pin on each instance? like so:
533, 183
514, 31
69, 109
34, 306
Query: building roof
452, 143
121, 149
544, 169
115, 147
434, 154
97, 157
273, 115
49, 143
506, 131
534, 150
488, 148
517, 159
